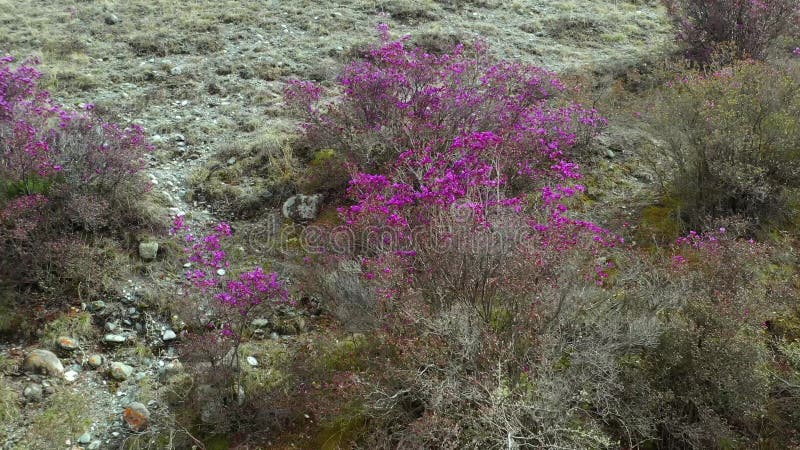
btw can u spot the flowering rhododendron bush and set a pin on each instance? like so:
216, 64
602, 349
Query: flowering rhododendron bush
398, 98
64, 176
219, 301
453, 151
748, 26
235, 300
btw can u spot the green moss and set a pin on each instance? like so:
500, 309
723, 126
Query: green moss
272, 358
349, 354
659, 224
9, 403
65, 416
343, 430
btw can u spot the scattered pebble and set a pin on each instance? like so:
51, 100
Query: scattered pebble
168, 335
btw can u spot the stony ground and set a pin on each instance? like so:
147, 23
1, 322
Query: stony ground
204, 79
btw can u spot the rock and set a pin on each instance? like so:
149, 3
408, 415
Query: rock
85, 438
170, 370
33, 392
168, 335
95, 445
252, 361
95, 360
70, 376
67, 343
113, 339
43, 361
260, 323
211, 407
136, 416
302, 208
97, 306
290, 325
112, 19
120, 371
609, 154
148, 250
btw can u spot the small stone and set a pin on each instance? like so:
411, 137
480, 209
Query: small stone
43, 361
274, 336
95, 445
67, 343
113, 339
609, 153
260, 323
112, 19
168, 335
85, 438
95, 360
33, 392
70, 376
252, 361
301, 208
97, 306
120, 371
148, 250
231, 161
136, 416
111, 326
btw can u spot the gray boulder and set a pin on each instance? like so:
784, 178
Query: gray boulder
148, 250
302, 208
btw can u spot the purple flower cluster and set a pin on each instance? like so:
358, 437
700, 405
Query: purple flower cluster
208, 272
43, 142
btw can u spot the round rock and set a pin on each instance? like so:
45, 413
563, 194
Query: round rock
33, 392
136, 416
67, 343
95, 360
120, 371
43, 361
85, 438
70, 376
302, 208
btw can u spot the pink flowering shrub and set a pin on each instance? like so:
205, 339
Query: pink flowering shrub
749, 26
62, 173
233, 301
442, 152
397, 99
